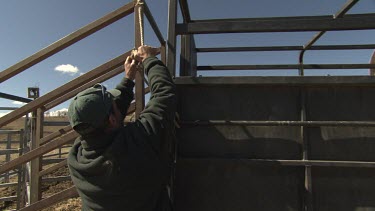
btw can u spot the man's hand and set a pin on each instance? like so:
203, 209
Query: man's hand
146, 51
131, 67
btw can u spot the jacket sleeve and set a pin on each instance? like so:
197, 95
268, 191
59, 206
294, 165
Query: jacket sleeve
123, 101
160, 110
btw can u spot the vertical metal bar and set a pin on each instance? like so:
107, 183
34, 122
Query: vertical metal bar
60, 152
185, 11
193, 57
163, 53
20, 174
372, 61
184, 58
308, 201
139, 78
25, 177
36, 164
187, 56
7, 156
171, 42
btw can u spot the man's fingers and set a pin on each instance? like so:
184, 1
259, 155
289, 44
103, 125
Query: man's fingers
128, 59
133, 62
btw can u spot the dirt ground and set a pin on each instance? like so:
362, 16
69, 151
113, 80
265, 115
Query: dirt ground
48, 189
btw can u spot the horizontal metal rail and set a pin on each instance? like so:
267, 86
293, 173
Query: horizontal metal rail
281, 123
8, 108
320, 163
14, 172
300, 81
52, 160
11, 184
68, 87
9, 151
56, 179
284, 24
58, 197
38, 152
285, 48
54, 155
67, 41
55, 134
10, 131
8, 198
286, 67
13, 142
53, 168
55, 123
13, 97
104, 77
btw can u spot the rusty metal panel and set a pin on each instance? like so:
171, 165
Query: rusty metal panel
217, 166
344, 189
239, 102
341, 103
227, 185
240, 142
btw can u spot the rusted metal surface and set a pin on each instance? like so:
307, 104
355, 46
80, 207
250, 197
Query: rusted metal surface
296, 24
324, 146
58, 197
67, 41
228, 185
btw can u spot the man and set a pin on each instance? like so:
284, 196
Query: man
116, 167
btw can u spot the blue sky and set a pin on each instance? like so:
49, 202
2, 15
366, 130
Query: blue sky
28, 26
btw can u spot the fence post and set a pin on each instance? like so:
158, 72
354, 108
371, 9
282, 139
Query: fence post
20, 188
139, 78
37, 133
7, 156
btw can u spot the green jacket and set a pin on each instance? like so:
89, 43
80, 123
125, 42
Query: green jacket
128, 169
